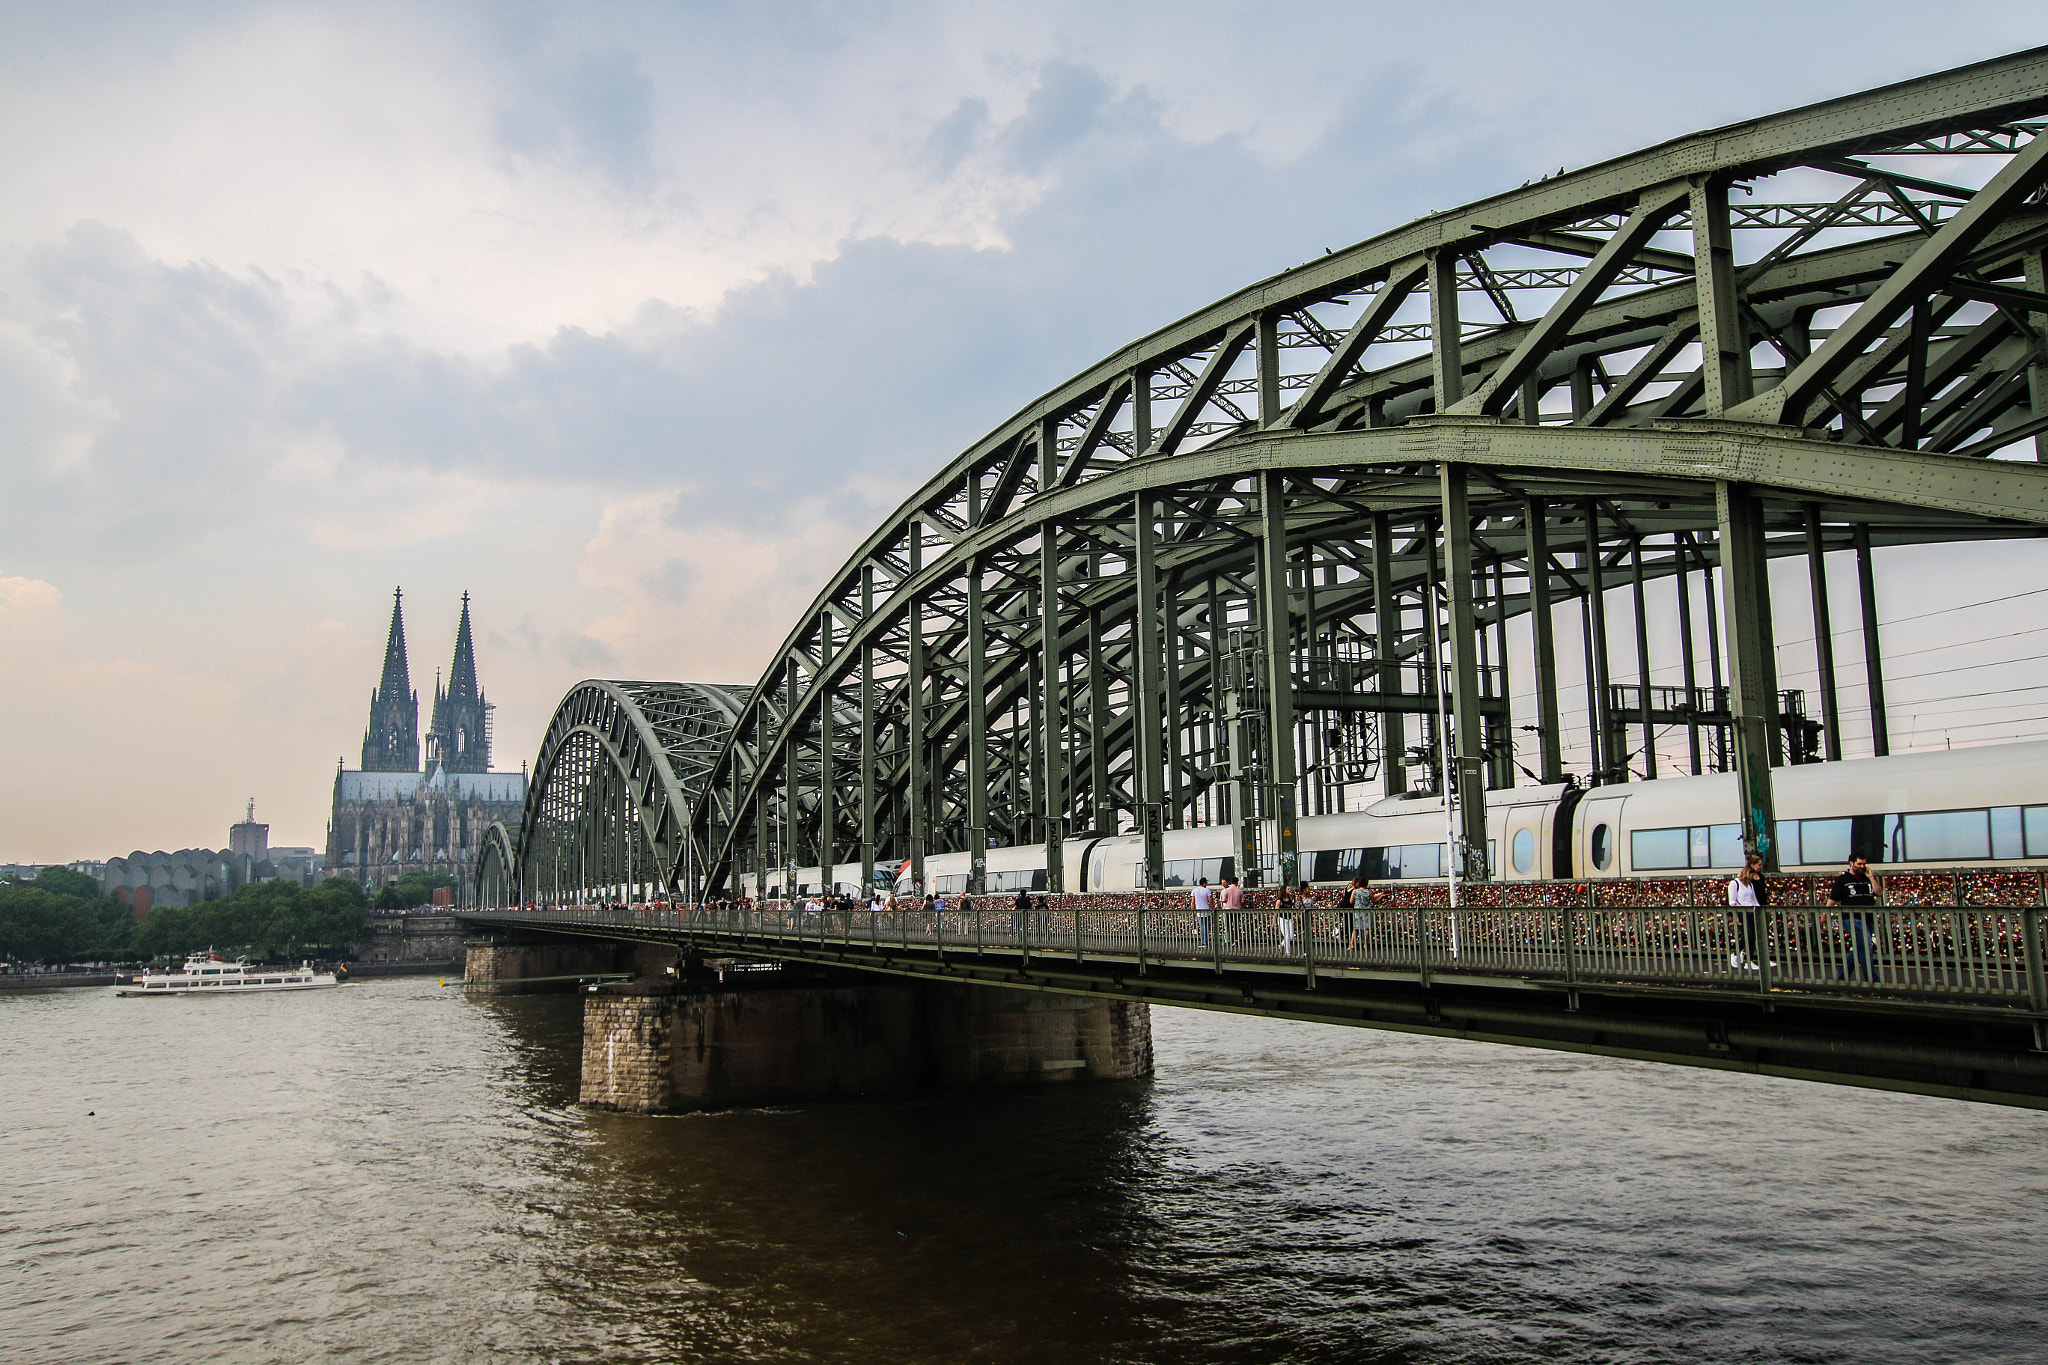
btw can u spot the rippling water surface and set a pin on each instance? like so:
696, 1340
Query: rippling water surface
392, 1173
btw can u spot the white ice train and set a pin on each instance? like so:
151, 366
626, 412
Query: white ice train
1938, 808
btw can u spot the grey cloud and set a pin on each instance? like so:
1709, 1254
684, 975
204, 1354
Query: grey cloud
593, 656
1061, 110
956, 135
672, 582
889, 360
596, 109
181, 366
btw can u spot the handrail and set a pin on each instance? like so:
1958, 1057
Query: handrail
1978, 955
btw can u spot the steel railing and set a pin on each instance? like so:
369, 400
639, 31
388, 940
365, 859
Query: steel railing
1990, 955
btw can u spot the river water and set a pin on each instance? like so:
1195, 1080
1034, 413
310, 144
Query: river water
390, 1172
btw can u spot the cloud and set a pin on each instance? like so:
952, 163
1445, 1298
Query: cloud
596, 109
634, 322
21, 597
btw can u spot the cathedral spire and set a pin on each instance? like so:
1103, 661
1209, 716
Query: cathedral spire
460, 738
397, 675
462, 677
392, 743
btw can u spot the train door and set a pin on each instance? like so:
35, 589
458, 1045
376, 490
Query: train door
1599, 841
1522, 840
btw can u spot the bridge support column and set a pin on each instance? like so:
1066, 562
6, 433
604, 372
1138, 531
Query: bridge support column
658, 1046
521, 968
1752, 672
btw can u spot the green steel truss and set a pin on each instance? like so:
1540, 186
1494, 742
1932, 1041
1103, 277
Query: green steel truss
621, 767
1203, 578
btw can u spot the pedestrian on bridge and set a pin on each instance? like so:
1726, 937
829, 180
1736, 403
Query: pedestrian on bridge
1233, 899
1852, 891
1747, 893
1285, 917
1019, 908
1205, 900
1359, 922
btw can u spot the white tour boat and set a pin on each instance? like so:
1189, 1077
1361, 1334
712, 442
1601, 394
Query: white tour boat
210, 974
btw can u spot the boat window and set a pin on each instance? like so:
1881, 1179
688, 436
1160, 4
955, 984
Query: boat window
1602, 853
1525, 849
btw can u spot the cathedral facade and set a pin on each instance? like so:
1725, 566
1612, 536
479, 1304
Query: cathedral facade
398, 814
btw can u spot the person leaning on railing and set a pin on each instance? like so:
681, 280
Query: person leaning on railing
1358, 922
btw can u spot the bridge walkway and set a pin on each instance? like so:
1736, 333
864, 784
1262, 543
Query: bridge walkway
1945, 1001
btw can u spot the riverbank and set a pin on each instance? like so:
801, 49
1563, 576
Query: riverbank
363, 971
42, 981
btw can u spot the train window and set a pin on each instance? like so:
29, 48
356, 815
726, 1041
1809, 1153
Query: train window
1098, 874
1934, 835
2006, 838
944, 886
1602, 853
1820, 841
1524, 848
1651, 850
1687, 846
2037, 831
1414, 860
1342, 864
1188, 871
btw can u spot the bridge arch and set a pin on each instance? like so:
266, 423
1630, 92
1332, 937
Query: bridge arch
620, 768
1211, 576
497, 867
1271, 503
1264, 561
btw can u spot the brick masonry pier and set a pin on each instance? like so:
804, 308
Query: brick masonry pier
656, 1045
519, 968
422, 942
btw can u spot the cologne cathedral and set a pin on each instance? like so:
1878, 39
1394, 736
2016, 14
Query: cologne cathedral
396, 815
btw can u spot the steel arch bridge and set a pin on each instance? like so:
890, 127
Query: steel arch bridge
621, 767
1264, 560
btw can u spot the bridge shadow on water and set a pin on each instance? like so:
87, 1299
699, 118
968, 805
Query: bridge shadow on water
1294, 1192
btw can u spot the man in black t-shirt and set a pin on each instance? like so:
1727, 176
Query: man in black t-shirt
1852, 891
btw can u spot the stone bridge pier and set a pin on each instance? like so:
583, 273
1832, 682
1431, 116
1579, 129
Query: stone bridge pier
796, 1033
533, 963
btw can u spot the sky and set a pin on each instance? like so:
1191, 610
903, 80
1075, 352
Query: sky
630, 319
